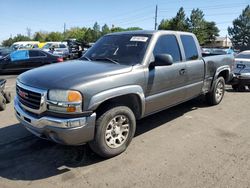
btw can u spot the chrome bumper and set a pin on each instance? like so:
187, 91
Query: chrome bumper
74, 131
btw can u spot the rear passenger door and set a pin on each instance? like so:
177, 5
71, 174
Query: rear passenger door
166, 84
195, 68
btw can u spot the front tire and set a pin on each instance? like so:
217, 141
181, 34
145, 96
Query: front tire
216, 95
2, 102
7, 96
115, 129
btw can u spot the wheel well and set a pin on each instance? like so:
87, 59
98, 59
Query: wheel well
130, 100
224, 74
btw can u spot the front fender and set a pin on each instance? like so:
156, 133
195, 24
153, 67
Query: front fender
99, 98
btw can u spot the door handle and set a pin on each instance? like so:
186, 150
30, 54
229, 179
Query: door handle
182, 71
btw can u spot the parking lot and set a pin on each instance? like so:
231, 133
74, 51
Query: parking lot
191, 145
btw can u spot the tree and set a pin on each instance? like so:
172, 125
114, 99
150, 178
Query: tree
17, 38
206, 32
196, 25
117, 29
177, 23
212, 32
133, 28
76, 33
105, 29
164, 25
40, 36
97, 31
8, 42
240, 32
89, 36
55, 36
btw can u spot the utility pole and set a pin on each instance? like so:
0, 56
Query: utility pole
64, 29
156, 13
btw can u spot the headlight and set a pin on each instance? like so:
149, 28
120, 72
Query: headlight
65, 101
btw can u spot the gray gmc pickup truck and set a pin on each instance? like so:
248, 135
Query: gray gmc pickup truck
123, 77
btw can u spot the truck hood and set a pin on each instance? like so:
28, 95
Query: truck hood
70, 74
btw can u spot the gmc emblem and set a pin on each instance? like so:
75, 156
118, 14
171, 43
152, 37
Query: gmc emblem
23, 94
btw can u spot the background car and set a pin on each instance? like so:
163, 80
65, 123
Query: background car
4, 52
57, 48
24, 45
241, 71
22, 60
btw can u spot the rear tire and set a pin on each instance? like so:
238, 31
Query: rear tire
7, 96
115, 129
216, 95
2, 102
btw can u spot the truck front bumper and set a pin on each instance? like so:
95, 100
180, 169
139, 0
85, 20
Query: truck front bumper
59, 130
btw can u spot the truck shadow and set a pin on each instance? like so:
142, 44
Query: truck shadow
26, 157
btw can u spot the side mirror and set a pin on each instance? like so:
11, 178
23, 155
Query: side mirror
163, 60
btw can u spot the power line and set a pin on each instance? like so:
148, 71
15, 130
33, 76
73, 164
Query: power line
219, 6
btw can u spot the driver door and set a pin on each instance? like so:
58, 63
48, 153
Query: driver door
166, 84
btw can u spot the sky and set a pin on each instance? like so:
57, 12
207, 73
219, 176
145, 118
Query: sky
50, 15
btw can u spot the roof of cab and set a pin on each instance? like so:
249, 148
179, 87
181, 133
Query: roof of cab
150, 32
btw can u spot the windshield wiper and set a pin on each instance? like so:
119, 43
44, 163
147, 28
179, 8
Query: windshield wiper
84, 57
106, 59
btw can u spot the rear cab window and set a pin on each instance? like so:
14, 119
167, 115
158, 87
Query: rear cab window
168, 44
190, 47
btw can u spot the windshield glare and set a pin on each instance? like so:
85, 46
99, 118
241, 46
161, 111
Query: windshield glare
126, 49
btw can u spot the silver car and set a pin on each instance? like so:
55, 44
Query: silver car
59, 49
241, 71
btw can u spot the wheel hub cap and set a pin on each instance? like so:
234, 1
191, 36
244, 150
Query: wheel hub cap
117, 131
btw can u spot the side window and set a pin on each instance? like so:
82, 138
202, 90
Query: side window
190, 48
34, 53
19, 55
41, 54
35, 46
62, 46
167, 44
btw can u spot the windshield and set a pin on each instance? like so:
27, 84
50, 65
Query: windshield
47, 46
126, 49
243, 56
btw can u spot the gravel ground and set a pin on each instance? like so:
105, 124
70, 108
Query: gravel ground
191, 145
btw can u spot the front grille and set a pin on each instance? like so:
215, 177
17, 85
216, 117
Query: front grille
29, 98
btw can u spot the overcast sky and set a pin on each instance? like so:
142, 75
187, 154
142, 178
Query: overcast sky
50, 15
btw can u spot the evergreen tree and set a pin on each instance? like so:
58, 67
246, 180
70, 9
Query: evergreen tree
240, 32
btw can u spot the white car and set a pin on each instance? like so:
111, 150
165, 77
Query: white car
241, 71
57, 48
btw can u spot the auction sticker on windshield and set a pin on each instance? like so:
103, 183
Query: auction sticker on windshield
139, 39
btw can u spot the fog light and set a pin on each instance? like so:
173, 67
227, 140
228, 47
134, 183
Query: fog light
76, 123
71, 109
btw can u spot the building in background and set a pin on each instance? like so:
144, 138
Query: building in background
221, 42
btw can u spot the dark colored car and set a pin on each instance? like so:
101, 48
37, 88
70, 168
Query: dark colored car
23, 60
5, 97
241, 71
4, 52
